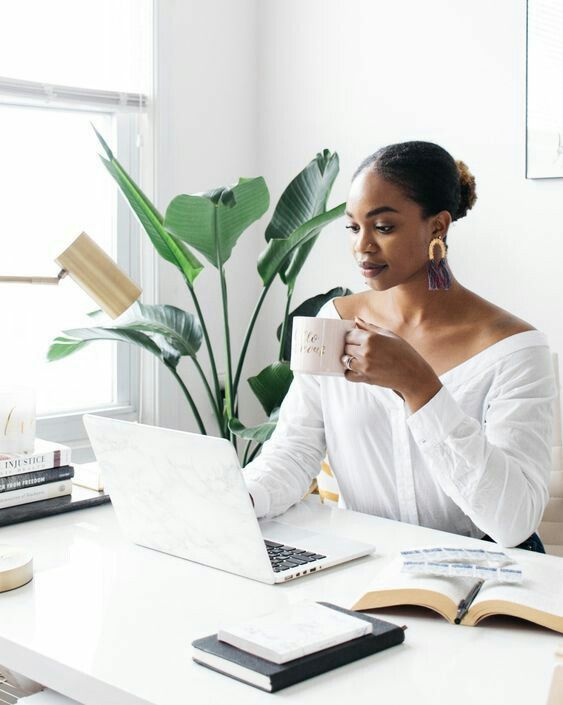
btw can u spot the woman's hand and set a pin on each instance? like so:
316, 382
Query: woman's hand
380, 357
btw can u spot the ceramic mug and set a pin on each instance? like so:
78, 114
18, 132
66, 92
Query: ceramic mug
317, 345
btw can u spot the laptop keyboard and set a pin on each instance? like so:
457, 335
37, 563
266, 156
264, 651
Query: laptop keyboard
285, 557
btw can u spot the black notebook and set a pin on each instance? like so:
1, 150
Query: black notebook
268, 676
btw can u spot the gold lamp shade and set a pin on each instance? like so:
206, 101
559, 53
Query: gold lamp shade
95, 272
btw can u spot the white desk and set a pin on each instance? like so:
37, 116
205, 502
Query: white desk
109, 623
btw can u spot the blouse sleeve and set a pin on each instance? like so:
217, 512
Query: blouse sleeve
282, 473
496, 472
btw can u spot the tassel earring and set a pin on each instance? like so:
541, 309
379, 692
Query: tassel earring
439, 275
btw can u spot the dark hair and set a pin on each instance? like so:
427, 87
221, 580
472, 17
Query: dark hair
428, 174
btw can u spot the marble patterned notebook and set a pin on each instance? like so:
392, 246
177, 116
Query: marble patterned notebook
295, 631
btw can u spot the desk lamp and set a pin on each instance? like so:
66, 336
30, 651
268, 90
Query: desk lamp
95, 272
104, 282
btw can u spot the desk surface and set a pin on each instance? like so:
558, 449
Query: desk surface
105, 621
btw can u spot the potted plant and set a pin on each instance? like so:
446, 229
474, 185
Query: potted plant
211, 224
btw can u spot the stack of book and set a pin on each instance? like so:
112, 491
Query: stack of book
297, 642
45, 473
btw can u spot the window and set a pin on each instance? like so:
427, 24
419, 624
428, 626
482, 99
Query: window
92, 67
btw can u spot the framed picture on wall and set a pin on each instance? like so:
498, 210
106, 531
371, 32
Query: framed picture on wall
544, 89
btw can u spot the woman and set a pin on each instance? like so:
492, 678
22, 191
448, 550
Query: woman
444, 417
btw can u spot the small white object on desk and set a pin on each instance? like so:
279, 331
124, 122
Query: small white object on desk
88, 475
297, 630
16, 567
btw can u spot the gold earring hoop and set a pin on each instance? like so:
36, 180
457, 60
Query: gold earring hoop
437, 241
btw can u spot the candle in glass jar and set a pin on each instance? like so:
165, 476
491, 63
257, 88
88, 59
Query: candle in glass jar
17, 420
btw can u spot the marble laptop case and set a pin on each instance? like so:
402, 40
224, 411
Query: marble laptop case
184, 494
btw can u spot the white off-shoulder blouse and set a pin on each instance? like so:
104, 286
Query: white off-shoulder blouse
474, 460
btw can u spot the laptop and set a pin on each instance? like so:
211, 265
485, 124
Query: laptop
184, 494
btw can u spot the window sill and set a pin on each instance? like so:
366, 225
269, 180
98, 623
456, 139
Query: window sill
69, 429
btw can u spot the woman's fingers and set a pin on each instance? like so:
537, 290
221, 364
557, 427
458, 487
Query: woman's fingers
351, 374
353, 350
355, 336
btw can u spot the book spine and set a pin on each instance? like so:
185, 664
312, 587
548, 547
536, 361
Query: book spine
32, 479
323, 661
230, 675
33, 463
35, 494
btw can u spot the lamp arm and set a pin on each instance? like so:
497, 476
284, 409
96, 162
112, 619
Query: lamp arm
34, 280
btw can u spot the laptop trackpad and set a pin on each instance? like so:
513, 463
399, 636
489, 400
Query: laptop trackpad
326, 544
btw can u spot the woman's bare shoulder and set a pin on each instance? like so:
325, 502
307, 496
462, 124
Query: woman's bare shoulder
496, 323
483, 325
510, 325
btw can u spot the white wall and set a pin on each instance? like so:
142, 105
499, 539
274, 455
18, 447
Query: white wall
251, 87
206, 125
358, 75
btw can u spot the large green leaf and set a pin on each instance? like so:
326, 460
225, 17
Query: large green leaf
190, 217
310, 307
305, 197
76, 338
212, 222
147, 204
271, 384
274, 257
167, 245
182, 330
63, 347
294, 264
260, 433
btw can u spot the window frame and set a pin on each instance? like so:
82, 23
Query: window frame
128, 113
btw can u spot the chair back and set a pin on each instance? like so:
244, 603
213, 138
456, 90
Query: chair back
551, 527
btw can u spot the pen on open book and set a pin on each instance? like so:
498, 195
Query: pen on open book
466, 603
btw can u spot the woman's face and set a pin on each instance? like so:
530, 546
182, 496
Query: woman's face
388, 235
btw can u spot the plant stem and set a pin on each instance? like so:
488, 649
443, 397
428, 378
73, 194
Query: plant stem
217, 411
189, 398
285, 323
245, 455
229, 380
247, 336
216, 384
255, 452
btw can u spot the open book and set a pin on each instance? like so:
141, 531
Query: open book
538, 598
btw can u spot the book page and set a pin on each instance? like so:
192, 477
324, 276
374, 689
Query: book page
392, 578
541, 587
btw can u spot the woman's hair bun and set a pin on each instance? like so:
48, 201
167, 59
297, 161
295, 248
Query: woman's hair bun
468, 193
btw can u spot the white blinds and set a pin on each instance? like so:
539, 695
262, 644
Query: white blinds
104, 46
43, 92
